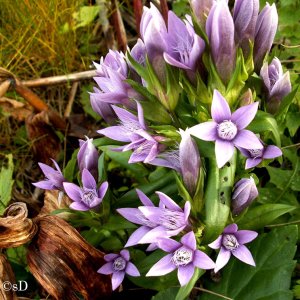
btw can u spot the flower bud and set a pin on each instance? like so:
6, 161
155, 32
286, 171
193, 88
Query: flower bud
153, 32
277, 85
245, 16
220, 32
189, 159
87, 157
265, 31
246, 98
201, 9
244, 193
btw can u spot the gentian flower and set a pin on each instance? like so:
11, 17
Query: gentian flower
87, 196
265, 30
201, 9
232, 241
54, 178
255, 156
133, 129
166, 220
153, 32
228, 129
245, 191
245, 15
87, 157
189, 159
220, 32
277, 84
111, 75
134, 215
118, 265
183, 256
185, 47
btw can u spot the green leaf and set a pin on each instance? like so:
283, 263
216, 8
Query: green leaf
284, 179
186, 290
6, 182
138, 170
169, 293
262, 215
265, 122
293, 122
271, 278
69, 170
286, 102
86, 15
115, 223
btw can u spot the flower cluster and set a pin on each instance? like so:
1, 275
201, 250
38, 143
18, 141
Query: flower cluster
182, 98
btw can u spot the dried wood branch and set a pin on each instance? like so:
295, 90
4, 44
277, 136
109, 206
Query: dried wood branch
7, 277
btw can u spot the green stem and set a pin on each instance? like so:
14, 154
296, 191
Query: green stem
217, 197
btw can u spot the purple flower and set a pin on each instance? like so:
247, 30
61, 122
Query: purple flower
245, 16
220, 32
112, 73
232, 241
201, 9
153, 32
118, 265
138, 52
183, 256
228, 129
87, 157
54, 178
133, 129
277, 84
265, 31
166, 220
87, 196
185, 47
244, 193
189, 159
255, 156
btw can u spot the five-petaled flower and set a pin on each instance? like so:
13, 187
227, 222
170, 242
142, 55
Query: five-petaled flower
166, 220
255, 156
118, 265
54, 178
228, 130
183, 256
87, 196
133, 129
232, 241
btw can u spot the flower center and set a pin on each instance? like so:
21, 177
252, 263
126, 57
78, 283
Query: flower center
88, 196
172, 220
230, 242
182, 256
227, 130
119, 264
255, 152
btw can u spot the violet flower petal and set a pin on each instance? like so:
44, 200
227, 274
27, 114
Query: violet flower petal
203, 261
137, 235
168, 202
110, 256
168, 245
271, 152
45, 185
224, 151
232, 228
216, 244
220, 109
243, 116
185, 273
115, 133
162, 267
103, 189
222, 259
252, 162
133, 215
189, 240
106, 269
144, 199
245, 236
73, 191
247, 139
206, 131
79, 206
88, 180
132, 270
117, 279
242, 253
